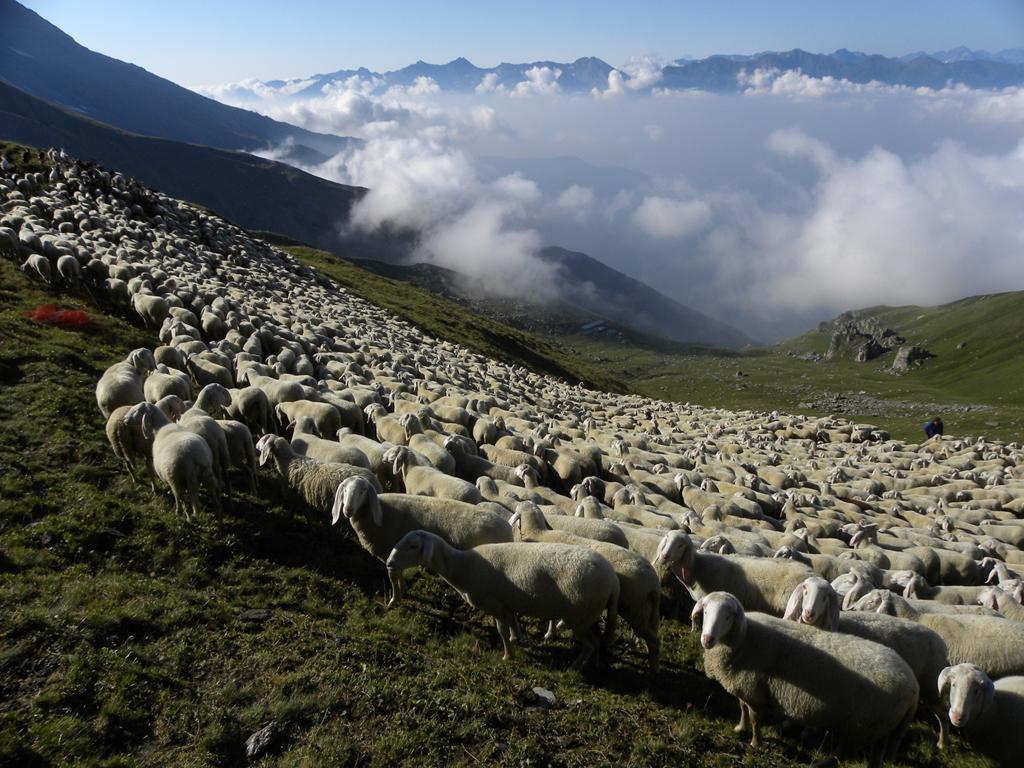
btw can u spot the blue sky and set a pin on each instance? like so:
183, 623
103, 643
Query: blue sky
209, 41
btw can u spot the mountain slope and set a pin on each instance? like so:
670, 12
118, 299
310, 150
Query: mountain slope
39, 58
977, 343
253, 192
607, 292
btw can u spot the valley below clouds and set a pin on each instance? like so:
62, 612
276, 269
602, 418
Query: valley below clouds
772, 207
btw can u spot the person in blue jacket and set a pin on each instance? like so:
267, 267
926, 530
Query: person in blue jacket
933, 427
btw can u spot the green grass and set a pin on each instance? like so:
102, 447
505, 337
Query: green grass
24, 159
449, 321
987, 371
121, 642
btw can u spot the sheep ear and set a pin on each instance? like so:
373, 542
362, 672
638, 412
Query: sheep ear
428, 549
339, 504
697, 613
944, 677
514, 521
579, 511
147, 425
265, 453
848, 600
796, 599
988, 599
909, 591
832, 618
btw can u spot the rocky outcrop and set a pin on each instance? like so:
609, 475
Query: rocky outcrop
860, 338
909, 356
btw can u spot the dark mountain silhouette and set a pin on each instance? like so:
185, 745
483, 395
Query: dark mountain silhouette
251, 191
40, 59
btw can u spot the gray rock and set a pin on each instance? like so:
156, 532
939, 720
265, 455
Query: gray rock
257, 744
908, 356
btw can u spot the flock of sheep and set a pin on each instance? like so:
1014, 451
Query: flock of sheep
842, 581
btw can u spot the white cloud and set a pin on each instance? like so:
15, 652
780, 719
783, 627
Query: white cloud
575, 201
542, 81
616, 86
882, 230
644, 72
670, 218
489, 84
654, 132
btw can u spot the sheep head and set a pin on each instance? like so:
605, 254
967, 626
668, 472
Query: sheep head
814, 602
352, 497
971, 692
676, 551
415, 548
723, 619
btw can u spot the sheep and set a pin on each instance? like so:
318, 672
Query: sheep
325, 416
556, 582
210, 401
122, 383
152, 309
205, 372
470, 467
164, 381
181, 459
639, 583
434, 453
816, 604
252, 407
990, 714
917, 587
992, 642
39, 267
425, 480
1004, 602
70, 270
305, 442
380, 520
859, 691
129, 443
763, 584
315, 482
241, 453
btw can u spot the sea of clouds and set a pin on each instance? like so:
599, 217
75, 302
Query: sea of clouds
772, 208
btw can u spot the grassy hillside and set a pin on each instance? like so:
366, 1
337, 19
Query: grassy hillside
977, 389
131, 637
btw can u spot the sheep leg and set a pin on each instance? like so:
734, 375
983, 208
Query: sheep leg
940, 715
755, 733
517, 633
551, 634
744, 724
585, 637
397, 581
506, 640
653, 650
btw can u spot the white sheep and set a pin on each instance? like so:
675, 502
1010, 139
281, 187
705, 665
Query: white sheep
639, 583
555, 582
859, 691
181, 458
422, 479
315, 482
39, 267
129, 443
760, 584
992, 642
306, 442
380, 520
814, 602
122, 383
990, 714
